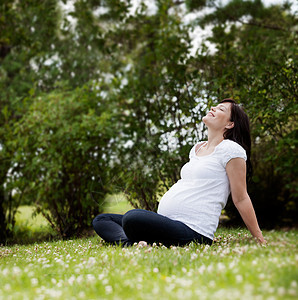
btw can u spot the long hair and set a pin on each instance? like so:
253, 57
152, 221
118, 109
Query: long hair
240, 133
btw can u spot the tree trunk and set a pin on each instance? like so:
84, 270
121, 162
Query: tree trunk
3, 223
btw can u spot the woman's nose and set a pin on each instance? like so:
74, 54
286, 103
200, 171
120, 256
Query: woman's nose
212, 108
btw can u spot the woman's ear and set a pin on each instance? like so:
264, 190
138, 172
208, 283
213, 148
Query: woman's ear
230, 125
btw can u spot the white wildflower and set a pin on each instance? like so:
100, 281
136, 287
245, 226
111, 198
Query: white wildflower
281, 291
34, 281
210, 269
16, 271
226, 251
91, 262
212, 283
139, 286
220, 267
60, 283
53, 293
90, 277
262, 276
232, 264
71, 279
31, 273
206, 248
184, 282
108, 289
7, 287
46, 266
201, 269
79, 279
292, 292
5, 272
266, 285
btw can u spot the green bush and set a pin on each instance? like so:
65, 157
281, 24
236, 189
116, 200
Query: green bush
61, 157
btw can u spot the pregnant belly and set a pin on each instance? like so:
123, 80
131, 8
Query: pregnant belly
192, 196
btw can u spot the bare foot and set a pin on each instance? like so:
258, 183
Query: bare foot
142, 244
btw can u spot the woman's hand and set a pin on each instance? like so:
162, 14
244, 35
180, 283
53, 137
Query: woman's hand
261, 241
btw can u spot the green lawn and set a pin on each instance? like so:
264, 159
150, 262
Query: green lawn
233, 268
117, 204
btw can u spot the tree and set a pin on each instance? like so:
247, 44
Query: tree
62, 157
158, 104
26, 29
255, 63
43, 49
63, 74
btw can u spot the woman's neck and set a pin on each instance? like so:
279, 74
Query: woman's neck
214, 138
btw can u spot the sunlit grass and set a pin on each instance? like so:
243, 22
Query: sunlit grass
24, 218
235, 267
117, 204
30, 227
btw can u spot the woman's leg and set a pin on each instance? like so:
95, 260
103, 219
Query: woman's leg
109, 228
143, 225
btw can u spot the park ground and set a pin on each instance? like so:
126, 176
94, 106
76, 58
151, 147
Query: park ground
234, 267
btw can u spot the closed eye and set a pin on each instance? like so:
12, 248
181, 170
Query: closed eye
222, 108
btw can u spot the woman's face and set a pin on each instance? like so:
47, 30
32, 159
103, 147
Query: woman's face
219, 117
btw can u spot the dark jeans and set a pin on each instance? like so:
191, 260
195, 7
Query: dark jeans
142, 225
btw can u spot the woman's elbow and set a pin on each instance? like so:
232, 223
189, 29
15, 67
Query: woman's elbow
240, 198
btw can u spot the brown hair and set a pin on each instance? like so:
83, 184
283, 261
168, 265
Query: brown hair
240, 133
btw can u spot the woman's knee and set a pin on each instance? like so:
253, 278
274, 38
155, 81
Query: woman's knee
131, 218
99, 218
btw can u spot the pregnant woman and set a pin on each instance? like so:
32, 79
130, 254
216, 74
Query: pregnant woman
190, 209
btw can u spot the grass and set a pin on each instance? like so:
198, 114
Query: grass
24, 218
232, 268
117, 204
29, 228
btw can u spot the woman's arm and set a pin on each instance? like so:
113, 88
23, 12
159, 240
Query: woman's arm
236, 170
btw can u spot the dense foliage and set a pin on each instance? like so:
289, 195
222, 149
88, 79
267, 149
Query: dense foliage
66, 139
98, 98
256, 64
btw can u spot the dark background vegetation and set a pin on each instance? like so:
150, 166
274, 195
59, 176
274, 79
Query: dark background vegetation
96, 100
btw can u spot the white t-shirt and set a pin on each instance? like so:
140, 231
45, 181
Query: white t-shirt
202, 192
